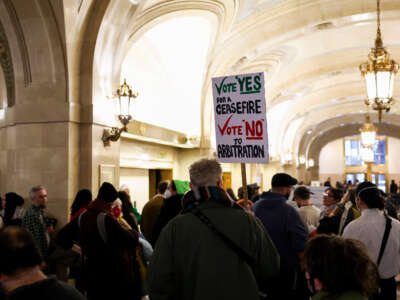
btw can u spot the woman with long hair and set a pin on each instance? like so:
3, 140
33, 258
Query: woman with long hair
127, 210
81, 201
13, 211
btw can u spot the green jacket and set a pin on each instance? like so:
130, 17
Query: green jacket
190, 262
350, 295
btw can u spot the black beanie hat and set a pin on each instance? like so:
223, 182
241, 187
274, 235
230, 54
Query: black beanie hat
107, 192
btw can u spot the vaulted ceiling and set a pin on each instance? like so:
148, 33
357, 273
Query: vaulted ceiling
310, 51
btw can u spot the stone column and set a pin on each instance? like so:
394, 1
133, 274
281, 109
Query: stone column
301, 173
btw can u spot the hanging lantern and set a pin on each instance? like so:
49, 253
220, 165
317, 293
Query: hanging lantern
125, 97
367, 154
368, 133
379, 72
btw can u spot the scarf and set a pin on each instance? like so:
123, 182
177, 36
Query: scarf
210, 193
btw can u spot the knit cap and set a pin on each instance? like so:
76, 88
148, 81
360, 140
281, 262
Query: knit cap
181, 186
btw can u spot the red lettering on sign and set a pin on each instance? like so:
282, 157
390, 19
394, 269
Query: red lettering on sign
222, 130
254, 130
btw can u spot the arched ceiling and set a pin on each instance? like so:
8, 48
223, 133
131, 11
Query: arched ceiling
310, 51
355, 119
320, 141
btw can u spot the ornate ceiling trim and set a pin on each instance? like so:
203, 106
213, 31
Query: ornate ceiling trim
7, 66
62, 47
226, 13
23, 48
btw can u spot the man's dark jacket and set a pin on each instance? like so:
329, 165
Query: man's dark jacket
171, 207
283, 224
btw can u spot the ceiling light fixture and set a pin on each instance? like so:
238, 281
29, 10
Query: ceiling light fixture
368, 133
379, 72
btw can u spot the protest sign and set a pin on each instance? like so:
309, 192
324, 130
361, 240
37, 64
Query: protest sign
240, 118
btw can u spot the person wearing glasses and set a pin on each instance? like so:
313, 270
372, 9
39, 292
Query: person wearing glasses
330, 217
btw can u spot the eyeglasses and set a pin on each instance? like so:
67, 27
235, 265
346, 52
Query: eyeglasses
327, 195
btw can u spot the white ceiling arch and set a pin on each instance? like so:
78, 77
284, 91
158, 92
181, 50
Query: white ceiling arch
319, 75
310, 51
326, 137
340, 122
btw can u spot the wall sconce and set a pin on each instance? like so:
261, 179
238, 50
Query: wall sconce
125, 97
300, 160
310, 163
189, 139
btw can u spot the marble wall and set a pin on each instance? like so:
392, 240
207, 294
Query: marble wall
36, 154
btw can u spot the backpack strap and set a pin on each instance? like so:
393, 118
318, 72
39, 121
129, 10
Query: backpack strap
101, 226
79, 218
232, 245
385, 238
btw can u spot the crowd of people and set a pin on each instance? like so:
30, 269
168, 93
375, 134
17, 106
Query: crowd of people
194, 240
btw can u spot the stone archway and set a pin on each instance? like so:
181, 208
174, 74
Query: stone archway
319, 142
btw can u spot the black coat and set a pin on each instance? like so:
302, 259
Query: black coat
105, 263
171, 207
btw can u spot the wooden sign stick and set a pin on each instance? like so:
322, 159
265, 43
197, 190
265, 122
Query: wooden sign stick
244, 184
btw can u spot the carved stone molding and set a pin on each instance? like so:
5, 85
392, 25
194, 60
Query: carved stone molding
7, 66
23, 49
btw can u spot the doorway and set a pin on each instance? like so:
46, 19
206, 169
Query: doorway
157, 175
226, 180
379, 180
355, 177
